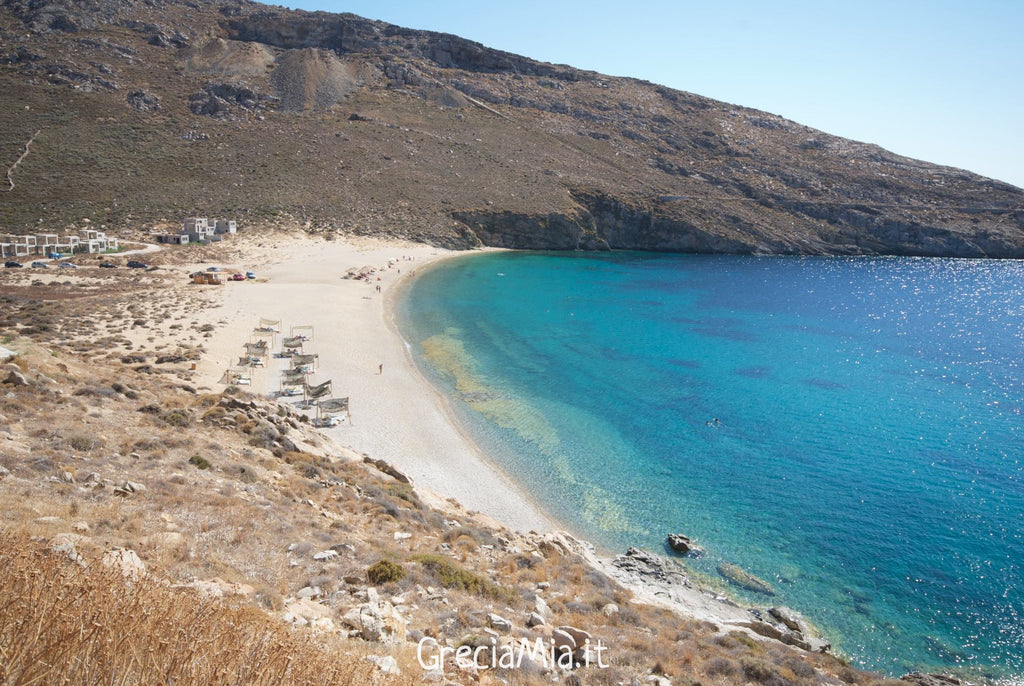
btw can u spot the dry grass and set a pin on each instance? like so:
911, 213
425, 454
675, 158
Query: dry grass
64, 623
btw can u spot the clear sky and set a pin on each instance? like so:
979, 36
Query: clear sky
939, 80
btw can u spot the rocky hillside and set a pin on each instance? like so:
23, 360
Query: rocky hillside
148, 110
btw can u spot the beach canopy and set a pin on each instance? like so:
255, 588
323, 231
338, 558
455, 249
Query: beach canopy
327, 409
264, 333
258, 349
293, 377
235, 376
303, 360
269, 325
303, 327
334, 405
321, 390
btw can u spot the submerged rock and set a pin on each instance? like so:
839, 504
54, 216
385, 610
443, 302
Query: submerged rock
744, 579
919, 679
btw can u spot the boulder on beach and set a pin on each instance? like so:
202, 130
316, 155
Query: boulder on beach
684, 545
744, 579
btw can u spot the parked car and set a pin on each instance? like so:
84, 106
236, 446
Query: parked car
108, 265
12, 263
40, 265
135, 264
250, 275
238, 277
68, 265
213, 269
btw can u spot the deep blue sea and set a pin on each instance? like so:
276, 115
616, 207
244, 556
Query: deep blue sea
868, 454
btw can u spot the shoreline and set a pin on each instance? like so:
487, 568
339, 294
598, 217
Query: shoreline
400, 417
544, 521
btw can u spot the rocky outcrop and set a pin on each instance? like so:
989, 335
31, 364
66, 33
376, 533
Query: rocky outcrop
655, 578
68, 16
683, 545
143, 101
125, 561
794, 633
225, 100
15, 377
547, 232
347, 33
651, 568
376, 621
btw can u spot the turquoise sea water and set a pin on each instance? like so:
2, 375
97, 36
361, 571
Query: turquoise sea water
867, 460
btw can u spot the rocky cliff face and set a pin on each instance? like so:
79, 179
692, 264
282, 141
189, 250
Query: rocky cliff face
148, 110
603, 222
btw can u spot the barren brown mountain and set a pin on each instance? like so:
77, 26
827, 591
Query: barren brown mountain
150, 110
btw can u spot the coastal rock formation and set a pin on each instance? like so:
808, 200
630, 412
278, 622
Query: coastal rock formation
919, 679
683, 545
744, 579
766, 624
640, 563
656, 578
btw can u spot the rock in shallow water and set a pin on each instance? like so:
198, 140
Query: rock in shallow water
744, 579
684, 545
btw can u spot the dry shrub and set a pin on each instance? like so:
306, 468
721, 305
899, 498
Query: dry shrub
62, 623
385, 571
244, 473
451, 575
81, 442
199, 462
762, 672
177, 418
468, 537
721, 666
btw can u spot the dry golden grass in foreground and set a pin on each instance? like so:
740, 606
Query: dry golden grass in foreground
62, 622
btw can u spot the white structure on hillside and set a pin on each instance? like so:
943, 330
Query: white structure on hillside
96, 241
46, 244
17, 246
199, 230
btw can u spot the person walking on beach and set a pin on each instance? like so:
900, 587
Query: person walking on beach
380, 368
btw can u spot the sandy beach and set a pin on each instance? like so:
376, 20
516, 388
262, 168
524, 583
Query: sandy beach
397, 416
